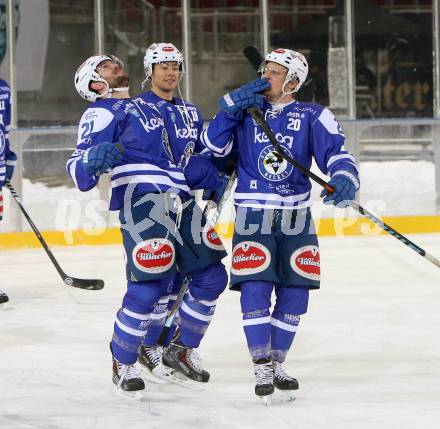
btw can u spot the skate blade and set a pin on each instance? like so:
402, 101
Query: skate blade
267, 400
5, 305
135, 395
169, 376
182, 380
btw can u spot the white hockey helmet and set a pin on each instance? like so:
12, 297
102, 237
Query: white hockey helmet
160, 53
295, 62
87, 73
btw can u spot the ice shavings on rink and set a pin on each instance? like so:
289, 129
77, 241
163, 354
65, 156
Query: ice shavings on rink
366, 354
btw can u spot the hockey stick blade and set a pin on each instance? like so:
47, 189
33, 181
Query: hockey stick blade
253, 55
87, 284
258, 118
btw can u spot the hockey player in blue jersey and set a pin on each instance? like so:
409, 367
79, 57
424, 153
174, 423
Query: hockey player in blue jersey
199, 256
8, 158
275, 246
126, 138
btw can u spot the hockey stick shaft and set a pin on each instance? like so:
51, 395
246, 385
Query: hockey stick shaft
170, 319
89, 284
35, 229
258, 118
213, 220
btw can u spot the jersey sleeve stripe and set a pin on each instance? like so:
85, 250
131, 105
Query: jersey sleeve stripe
71, 166
335, 158
205, 140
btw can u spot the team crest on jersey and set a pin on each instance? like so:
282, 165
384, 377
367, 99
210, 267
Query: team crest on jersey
305, 261
212, 239
154, 256
272, 166
249, 257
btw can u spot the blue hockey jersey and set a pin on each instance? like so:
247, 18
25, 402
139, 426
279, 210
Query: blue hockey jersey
183, 122
265, 180
7, 157
147, 164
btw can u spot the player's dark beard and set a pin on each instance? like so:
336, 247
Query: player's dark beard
121, 81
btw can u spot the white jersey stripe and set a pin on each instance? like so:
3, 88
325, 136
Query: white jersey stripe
256, 321
147, 178
222, 151
72, 168
127, 168
335, 158
158, 316
131, 331
282, 325
270, 197
136, 315
184, 307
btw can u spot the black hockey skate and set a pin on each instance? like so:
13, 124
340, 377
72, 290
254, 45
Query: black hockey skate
281, 380
263, 371
186, 361
126, 377
3, 297
150, 357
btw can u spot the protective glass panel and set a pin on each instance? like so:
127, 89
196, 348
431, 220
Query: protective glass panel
133, 25
53, 38
317, 29
4, 42
394, 61
220, 29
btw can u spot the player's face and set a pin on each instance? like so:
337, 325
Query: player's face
113, 73
276, 75
165, 76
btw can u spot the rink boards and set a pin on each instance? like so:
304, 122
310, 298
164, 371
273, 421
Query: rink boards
326, 227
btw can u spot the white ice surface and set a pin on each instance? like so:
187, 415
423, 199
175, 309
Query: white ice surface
367, 354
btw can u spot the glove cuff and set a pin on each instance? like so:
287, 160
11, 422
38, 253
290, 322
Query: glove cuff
349, 175
11, 159
228, 100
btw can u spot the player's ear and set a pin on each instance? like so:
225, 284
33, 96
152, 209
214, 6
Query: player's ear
97, 86
292, 85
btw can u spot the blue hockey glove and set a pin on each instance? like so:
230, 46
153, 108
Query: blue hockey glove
11, 160
216, 194
257, 85
244, 97
345, 184
200, 172
99, 159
